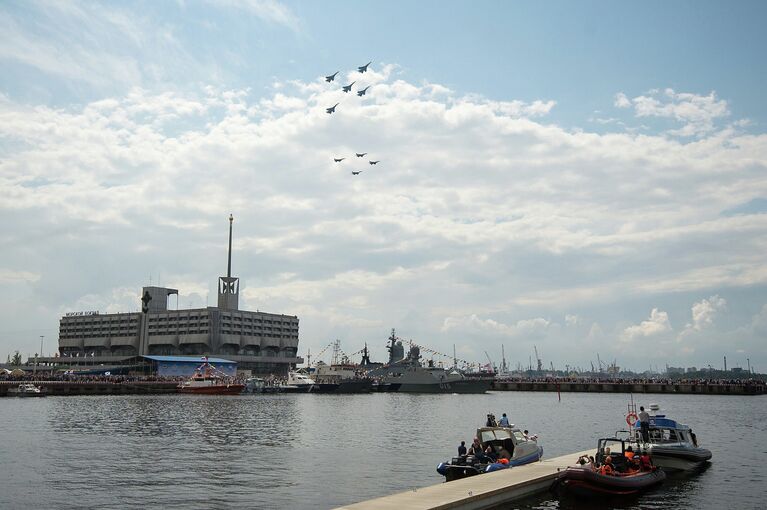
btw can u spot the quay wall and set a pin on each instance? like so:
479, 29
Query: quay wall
97, 387
631, 387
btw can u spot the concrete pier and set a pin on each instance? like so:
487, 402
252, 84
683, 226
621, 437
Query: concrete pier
633, 387
484, 491
96, 387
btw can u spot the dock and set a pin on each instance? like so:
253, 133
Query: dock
687, 388
478, 492
97, 387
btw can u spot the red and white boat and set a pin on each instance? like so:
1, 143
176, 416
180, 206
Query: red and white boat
207, 380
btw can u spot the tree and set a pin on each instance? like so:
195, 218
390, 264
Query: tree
16, 360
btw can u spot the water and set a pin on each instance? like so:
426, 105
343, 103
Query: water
321, 451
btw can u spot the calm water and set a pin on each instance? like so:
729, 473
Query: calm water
321, 451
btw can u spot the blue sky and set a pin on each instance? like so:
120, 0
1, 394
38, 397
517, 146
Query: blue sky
578, 176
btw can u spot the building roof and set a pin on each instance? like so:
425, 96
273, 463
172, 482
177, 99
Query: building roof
189, 359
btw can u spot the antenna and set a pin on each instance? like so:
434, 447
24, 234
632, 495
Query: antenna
229, 265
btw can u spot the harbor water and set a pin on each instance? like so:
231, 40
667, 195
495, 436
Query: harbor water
305, 451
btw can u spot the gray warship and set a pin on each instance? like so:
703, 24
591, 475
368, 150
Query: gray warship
407, 374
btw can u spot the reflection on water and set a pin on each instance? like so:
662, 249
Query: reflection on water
320, 451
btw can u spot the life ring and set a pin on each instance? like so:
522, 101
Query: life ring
631, 419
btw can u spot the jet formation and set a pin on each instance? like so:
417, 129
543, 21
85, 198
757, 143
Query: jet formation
332, 109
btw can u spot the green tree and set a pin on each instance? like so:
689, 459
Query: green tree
16, 360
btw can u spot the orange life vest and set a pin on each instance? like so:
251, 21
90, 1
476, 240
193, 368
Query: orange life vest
629, 455
606, 469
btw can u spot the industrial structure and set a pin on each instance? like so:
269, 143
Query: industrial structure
264, 343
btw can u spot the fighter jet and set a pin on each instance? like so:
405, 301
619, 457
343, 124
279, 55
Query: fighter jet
347, 88
373, 162
338, 160
356, 173
331, 77
362, 92
361, 154
364, 68
332, 108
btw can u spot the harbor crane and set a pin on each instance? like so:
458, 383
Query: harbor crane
538, 359
490, 362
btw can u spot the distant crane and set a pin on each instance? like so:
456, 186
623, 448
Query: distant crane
538, 359
489, 362
552, 365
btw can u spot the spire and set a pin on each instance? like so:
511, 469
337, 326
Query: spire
229, 265
229, 286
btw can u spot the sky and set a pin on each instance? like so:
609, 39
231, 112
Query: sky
584, 178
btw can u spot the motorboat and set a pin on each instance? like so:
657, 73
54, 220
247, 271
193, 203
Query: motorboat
26, 390
510, 447
260, 385
297, 382
672, 445
208, 380
621, 478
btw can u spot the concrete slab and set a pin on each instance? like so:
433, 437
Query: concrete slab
477, 492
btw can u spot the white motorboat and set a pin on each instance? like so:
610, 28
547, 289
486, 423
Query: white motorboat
298, 382
672, 446
26, 390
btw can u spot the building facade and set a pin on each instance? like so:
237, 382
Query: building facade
265, 343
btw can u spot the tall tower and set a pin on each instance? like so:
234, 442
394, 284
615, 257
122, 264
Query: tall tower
229, 287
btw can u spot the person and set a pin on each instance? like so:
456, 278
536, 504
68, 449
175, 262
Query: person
491, 421
462, 449
476, 447
694, 438
629, 453
645, 461
504, 421
504, 454
607, 467
644, 424
489, 452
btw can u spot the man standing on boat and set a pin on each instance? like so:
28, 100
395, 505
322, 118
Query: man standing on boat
644, 424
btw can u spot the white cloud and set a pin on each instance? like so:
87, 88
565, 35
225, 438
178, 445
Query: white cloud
475, 324
704, 312
657, 324
572, 320
696, 112
621, 101
477, 212
268, 10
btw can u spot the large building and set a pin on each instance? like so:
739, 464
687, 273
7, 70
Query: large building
264, 343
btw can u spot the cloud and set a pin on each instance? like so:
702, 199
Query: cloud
657, 324
474, 324
267, 10
696, 112
478, 212
704, 312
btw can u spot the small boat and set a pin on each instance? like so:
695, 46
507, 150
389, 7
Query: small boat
298, 382
510, 448
621, 479
208, 380
260, 385
672, 446
26, 390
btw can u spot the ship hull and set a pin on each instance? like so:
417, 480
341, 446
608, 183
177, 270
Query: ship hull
227, 389
462, 386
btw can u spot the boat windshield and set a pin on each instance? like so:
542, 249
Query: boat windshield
495, 434
519, 437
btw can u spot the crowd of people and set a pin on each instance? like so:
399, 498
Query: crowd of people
630, 462
637, 380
